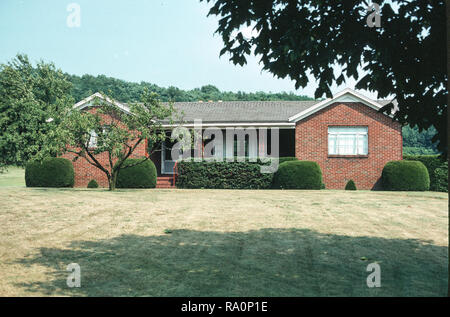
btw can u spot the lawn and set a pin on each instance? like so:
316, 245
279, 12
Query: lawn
13, 177
222, 242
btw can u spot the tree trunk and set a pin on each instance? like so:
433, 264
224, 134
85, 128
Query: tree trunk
112, 181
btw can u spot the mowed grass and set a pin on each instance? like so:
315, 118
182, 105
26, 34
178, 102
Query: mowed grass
222, 242
13, 177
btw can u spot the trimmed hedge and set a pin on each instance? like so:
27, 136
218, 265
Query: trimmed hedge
350, 185
287, 159
298, 175
440, 178
222, 175
405, 175
142, 175
51, 172
437, 170
92, 184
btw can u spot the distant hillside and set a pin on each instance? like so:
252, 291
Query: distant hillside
125, 91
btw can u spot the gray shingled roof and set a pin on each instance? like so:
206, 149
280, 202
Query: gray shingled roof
244, 111
241, 111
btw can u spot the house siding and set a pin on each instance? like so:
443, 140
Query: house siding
85, 172
384, 144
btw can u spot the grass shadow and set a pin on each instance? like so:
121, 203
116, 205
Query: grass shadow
266, 262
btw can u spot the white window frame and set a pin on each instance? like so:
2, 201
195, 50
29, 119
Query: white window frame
92, 143
359, 133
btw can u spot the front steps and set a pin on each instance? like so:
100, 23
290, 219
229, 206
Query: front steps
164, 182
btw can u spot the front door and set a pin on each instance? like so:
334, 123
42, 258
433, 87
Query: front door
167, 164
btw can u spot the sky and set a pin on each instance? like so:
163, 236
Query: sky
164, 42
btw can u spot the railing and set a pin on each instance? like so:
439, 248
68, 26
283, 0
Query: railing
175, 173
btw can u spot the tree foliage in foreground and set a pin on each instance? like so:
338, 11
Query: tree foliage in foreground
406, 57
28, 97
109, 130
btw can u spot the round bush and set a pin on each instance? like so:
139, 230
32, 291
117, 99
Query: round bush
350, 185
405, 175
298, 175
142, 175
92, 184
287, 159
51, 172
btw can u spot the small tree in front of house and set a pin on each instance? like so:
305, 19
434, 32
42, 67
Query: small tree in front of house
110, 130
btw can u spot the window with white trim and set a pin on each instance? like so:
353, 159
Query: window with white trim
92, 139
347, 140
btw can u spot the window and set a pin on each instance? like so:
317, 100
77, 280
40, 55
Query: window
347, 140
92, 139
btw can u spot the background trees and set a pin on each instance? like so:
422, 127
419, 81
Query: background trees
406, 57
124, 91
28, 97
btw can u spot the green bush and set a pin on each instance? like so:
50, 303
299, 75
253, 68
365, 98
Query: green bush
287, 159
222, 175
298, 175
405, 175
142, 175
350, 185
51, 172
92, 184
432, 163
440, 177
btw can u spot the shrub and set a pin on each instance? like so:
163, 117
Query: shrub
287, 159
350, 185
440, 177
405, 175
222, 175
92, 184
51, 172
298, 175
432, 163
142, 175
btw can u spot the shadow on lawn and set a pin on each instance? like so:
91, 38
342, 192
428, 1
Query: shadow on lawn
266, 262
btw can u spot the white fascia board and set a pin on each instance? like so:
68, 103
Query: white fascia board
282, 125
85, 103
347, 95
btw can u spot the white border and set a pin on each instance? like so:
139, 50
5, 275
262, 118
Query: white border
346, 95
85, 103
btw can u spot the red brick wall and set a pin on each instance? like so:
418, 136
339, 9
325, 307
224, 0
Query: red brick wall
84, 171
385, 144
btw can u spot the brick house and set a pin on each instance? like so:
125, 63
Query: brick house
346, 135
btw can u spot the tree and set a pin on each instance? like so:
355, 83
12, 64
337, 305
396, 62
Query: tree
28, 96
331, 40
124, 91
117, 133
415, 142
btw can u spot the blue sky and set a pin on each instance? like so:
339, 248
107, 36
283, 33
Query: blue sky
165, 42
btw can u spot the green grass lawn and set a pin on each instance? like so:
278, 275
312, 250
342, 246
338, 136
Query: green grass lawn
13, 177
222, 242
